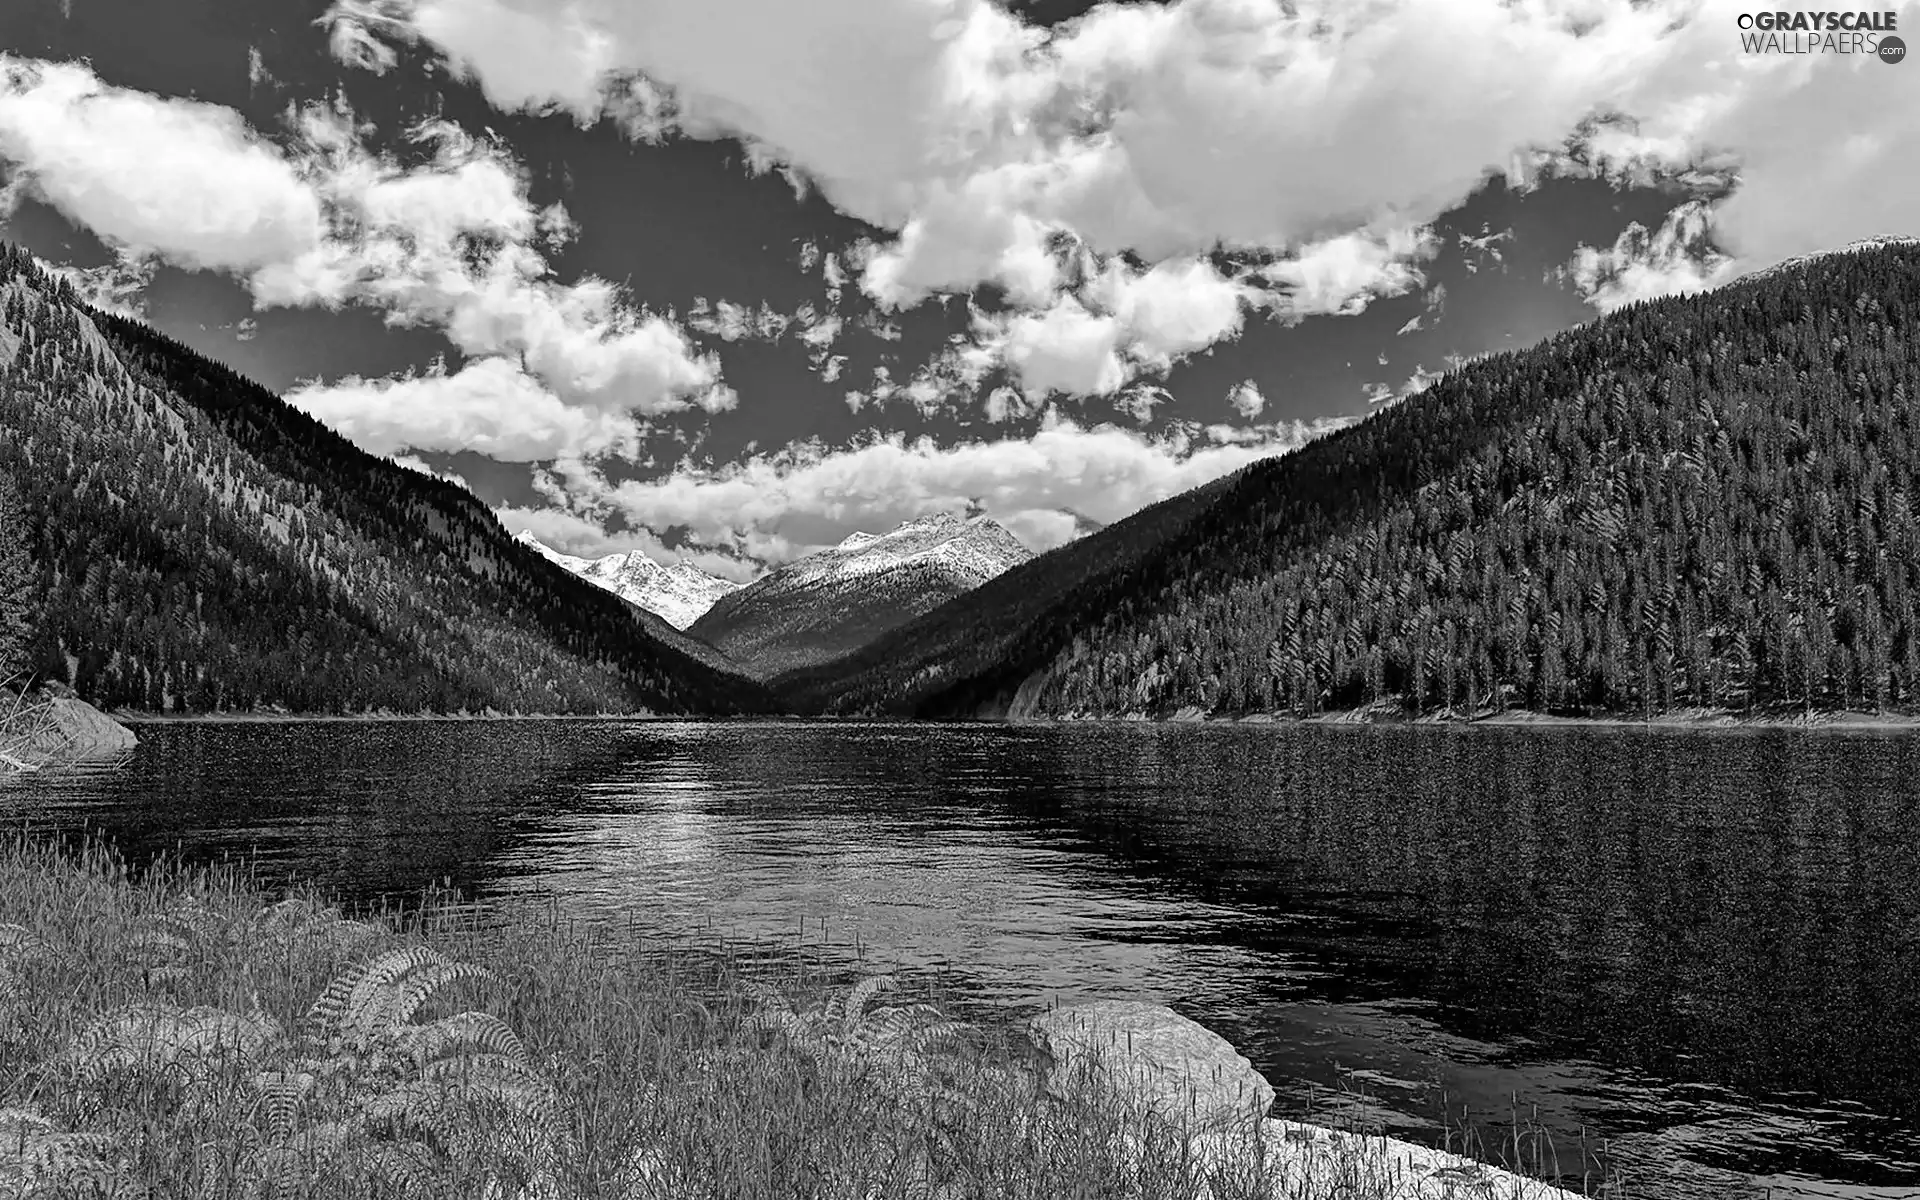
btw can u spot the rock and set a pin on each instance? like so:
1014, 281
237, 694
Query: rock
61, 727
1298, 1159
84, 729
1182, 1070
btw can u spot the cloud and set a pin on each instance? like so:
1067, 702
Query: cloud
177, 178
1172, 310
732, 322
1419, 381
452, 242
1065, 349
1345, 273
997, 152
415, 463
490, 406
1675, 259
118, 287
779, 506
1788, 154
1120, 324
1245, 398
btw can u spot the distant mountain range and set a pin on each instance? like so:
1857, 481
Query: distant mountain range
203, 546
838, 600
1699, 502
678, 594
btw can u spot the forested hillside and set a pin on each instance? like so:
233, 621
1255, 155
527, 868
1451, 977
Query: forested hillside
201, 546
1006, 627
16, 585
1700, 501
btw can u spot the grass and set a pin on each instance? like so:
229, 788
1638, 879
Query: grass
185, 1033
25, 726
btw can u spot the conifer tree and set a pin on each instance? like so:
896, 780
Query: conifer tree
16, 583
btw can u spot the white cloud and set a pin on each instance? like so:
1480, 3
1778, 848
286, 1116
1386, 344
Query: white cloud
1345, 273
1172, 310
117, 287
731, 322
1246, 399
1065, 349
1675, 259
490, 406
999, 152
454, 243
1791, 154
777, 507
1419, 381
1299, 130
415, 463
1120, 324
178, 178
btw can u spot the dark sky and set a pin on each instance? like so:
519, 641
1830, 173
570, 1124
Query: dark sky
685, 219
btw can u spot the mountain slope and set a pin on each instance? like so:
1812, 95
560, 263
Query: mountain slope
677, 595
204, 546
1007, 627
1702, 501
829, 603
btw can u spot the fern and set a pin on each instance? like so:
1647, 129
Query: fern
366, 1097
149, 1036
848, 1026
35, 1155
436, 1094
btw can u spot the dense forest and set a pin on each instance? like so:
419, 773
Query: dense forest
202, 546
1700, 501
16, 586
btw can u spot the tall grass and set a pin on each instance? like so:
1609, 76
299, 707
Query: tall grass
183, 1033
26, 726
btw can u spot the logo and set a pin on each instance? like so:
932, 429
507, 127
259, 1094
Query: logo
1823, 33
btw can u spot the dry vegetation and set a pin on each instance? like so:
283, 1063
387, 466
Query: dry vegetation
181, 1033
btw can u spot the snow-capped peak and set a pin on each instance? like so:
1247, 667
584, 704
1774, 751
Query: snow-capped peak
678, 594
1857, 246
972, 548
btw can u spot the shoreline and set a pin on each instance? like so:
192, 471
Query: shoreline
831, 1066
1702, 720
1381, 716
136, 717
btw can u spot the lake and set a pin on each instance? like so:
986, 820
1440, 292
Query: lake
1700, 948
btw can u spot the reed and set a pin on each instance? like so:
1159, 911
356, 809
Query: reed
25, 727
175, 1032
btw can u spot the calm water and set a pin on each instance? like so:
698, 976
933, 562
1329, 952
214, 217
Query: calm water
1703, 948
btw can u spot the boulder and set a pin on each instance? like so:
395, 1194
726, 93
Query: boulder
1299, 1159
62, 727
84, 729
1182, 1070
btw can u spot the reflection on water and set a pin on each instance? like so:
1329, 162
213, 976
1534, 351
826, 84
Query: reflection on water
1701, 947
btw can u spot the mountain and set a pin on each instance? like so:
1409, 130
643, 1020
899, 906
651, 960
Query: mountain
203, 546
829, 603
678, 594
1705, 501
1015, 618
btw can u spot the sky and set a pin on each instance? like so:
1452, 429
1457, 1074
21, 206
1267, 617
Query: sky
728, 280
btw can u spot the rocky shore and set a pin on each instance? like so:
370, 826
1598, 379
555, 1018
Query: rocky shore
56, 726
1195, 1078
